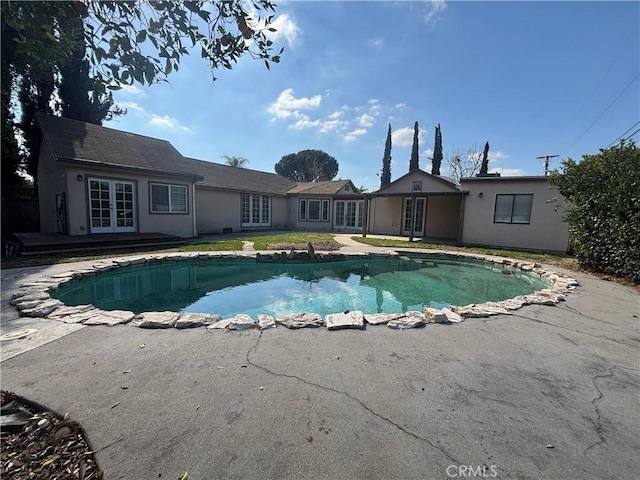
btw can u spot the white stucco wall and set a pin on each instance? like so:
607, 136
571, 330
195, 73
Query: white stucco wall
546, 231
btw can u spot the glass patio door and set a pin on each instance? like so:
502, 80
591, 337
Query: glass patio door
418, 216
349, 213
112, 205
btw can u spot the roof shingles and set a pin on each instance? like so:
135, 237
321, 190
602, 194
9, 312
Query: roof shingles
94, 144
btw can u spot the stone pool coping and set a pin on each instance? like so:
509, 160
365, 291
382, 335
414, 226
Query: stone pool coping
33, 299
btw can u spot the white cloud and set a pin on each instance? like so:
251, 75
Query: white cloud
374, 106
131, 89
497, 155
376, 42
304, 122
366, 120
354, 134
331, 125
288, 105
131, 106
403, 137
428, 153
401, 106
165, 121
286, 29
436, 7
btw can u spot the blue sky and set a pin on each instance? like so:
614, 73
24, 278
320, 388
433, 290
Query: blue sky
532, 78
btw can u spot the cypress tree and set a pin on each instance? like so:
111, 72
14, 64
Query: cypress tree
484, 168
413, 164
437, 153
385, 178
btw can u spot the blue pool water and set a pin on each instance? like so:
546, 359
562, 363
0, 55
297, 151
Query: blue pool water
373, 285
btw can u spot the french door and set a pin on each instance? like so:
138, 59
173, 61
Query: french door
112, 205
349, 213
418, 216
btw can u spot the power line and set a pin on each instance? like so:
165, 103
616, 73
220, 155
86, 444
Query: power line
622, 136
602, 114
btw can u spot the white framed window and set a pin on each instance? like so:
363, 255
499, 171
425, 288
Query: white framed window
313, 210
513, 208
255, 210
168, 198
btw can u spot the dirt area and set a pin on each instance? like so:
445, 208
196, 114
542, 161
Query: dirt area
318, 246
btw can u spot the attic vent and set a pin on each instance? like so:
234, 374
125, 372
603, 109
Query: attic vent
346, 188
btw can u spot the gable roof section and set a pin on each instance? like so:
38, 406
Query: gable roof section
445, 184
326, 187
226, 177
77, 141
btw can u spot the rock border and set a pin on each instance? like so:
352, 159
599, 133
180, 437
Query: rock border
33, 299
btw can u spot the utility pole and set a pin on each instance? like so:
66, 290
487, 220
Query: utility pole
546, 162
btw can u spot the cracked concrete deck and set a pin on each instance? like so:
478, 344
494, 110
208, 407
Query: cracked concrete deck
377, 403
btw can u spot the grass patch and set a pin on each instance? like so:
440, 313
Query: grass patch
285, 241
224, 245
547, 258
297, 240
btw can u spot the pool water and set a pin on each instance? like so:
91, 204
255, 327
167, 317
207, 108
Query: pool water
373, 285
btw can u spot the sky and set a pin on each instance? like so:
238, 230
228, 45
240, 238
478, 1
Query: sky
531, 78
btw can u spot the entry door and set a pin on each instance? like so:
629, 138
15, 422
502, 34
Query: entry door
349, 213
112, 206
418, 216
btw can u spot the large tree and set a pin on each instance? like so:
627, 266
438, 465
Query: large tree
604, 209
122, 43
436, 162
385, 177
308, 166
415, 160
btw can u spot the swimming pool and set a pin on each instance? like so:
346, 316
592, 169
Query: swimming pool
371, 284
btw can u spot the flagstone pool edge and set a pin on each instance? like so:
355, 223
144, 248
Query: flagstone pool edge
33, 299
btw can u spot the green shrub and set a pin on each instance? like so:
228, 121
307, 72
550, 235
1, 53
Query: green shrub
604, 212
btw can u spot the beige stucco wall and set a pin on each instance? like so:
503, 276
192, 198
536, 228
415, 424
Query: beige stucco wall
443, 217
146, 222
385, 215
52, 180
547, 230
216, 210
279, 212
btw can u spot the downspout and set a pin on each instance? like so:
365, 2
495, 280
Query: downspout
193, 209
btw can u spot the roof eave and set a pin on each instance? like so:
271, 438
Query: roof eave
94, 163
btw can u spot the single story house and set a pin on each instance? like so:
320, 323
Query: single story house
93, 179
